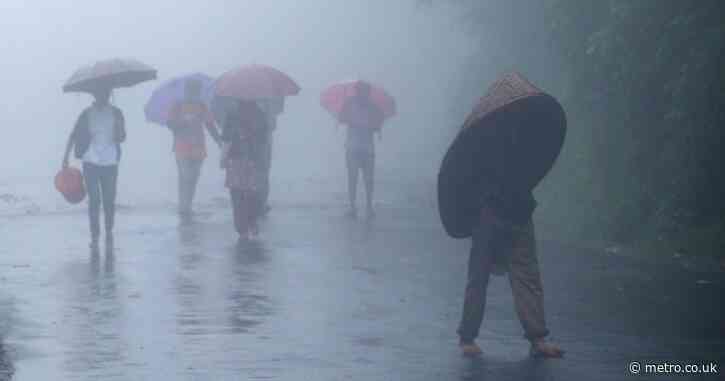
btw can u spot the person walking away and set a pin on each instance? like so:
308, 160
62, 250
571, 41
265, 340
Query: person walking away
244, 136
187, 121
96, 139
271, 108
363, 119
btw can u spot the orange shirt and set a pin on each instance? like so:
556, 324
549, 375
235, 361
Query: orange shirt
189, 120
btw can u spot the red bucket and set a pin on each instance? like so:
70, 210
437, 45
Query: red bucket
69, 182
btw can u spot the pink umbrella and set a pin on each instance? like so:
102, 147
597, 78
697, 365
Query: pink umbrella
252, 82
334, 97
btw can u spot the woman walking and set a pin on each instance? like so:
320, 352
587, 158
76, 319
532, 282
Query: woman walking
244, 136
97, 138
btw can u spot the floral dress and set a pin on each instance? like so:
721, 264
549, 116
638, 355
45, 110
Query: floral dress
245, 131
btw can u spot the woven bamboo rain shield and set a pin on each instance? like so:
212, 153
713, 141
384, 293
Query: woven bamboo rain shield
509, 142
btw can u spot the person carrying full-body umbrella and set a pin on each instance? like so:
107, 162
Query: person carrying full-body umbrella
507, 145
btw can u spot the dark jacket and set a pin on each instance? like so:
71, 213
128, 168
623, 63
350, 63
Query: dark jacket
512, 208
82, 135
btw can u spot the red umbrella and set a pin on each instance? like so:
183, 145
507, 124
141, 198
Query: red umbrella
334, 97
255, 82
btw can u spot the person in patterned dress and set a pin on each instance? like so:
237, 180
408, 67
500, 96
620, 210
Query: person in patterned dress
244, 136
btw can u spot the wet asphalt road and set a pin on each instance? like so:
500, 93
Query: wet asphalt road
324, 298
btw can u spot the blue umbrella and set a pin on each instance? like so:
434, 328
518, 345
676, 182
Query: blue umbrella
172, 91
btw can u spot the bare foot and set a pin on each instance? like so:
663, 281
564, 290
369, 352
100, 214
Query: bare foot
470, 349
541, 348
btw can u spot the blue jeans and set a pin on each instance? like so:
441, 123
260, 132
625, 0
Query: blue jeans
101, 186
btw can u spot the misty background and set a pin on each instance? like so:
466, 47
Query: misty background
409, 53
641, 83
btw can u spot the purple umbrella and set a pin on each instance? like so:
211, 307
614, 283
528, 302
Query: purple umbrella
165, 96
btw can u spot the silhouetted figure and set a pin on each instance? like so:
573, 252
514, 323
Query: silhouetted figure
271, 108
244, 138
508, 144
97, 138
364, 119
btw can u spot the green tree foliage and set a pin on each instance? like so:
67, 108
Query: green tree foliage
642, 82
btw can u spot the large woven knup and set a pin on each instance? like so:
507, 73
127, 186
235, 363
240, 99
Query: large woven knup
508, 143
507, 89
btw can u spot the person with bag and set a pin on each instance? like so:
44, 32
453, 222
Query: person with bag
96, 139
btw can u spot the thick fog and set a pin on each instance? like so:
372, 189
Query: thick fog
413, 52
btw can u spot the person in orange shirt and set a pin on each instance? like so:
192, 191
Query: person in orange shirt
187, 121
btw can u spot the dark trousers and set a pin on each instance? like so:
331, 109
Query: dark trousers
246, 207
266, 167
518, 247
189, 172
101, 186
360, 161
